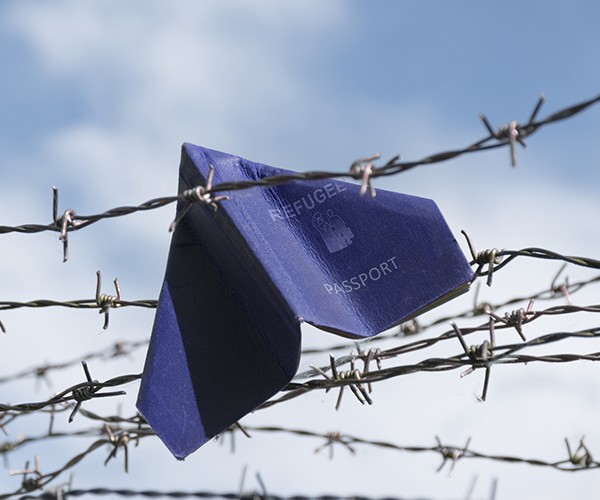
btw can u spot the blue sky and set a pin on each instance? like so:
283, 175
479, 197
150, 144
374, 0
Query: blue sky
97, 98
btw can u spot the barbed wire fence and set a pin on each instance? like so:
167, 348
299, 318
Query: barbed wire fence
358, 371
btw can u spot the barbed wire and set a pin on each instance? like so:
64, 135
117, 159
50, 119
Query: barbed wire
493, 259
362, 169
473, 358
482, 356
565, 289
253, 495
118, 349
67, 490
515, 319
79, 393
579, 460
116, 432
358, 380
490, 354
576, 458
33, 479
102, 301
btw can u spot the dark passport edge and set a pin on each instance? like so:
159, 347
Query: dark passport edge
230, 232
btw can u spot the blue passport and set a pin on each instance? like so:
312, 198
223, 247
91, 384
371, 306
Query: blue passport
241, 279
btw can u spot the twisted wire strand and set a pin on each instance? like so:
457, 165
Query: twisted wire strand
115, 439
114, 302
71, 221
122, 348
504, 354
117, 349
7, 305
414, 327
348, 441
254, 495
538, 253
507, 354
579, 460
483, 356
70, 394
499, 324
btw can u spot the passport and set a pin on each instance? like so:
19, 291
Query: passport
242, 278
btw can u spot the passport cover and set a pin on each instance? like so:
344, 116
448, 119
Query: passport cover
241, 279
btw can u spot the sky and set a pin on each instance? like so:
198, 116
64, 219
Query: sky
97, 98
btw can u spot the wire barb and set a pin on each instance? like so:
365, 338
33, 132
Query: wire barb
480, 355
64, 223
513, 132
372, 354
451, 453
363, 169
30, 483
516, 318
333, 438
360, 382
118, 440
487, 257
199, 194
104, 301
581, 457
352, 374
88, 391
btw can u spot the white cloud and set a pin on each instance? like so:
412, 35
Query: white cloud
227, 74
